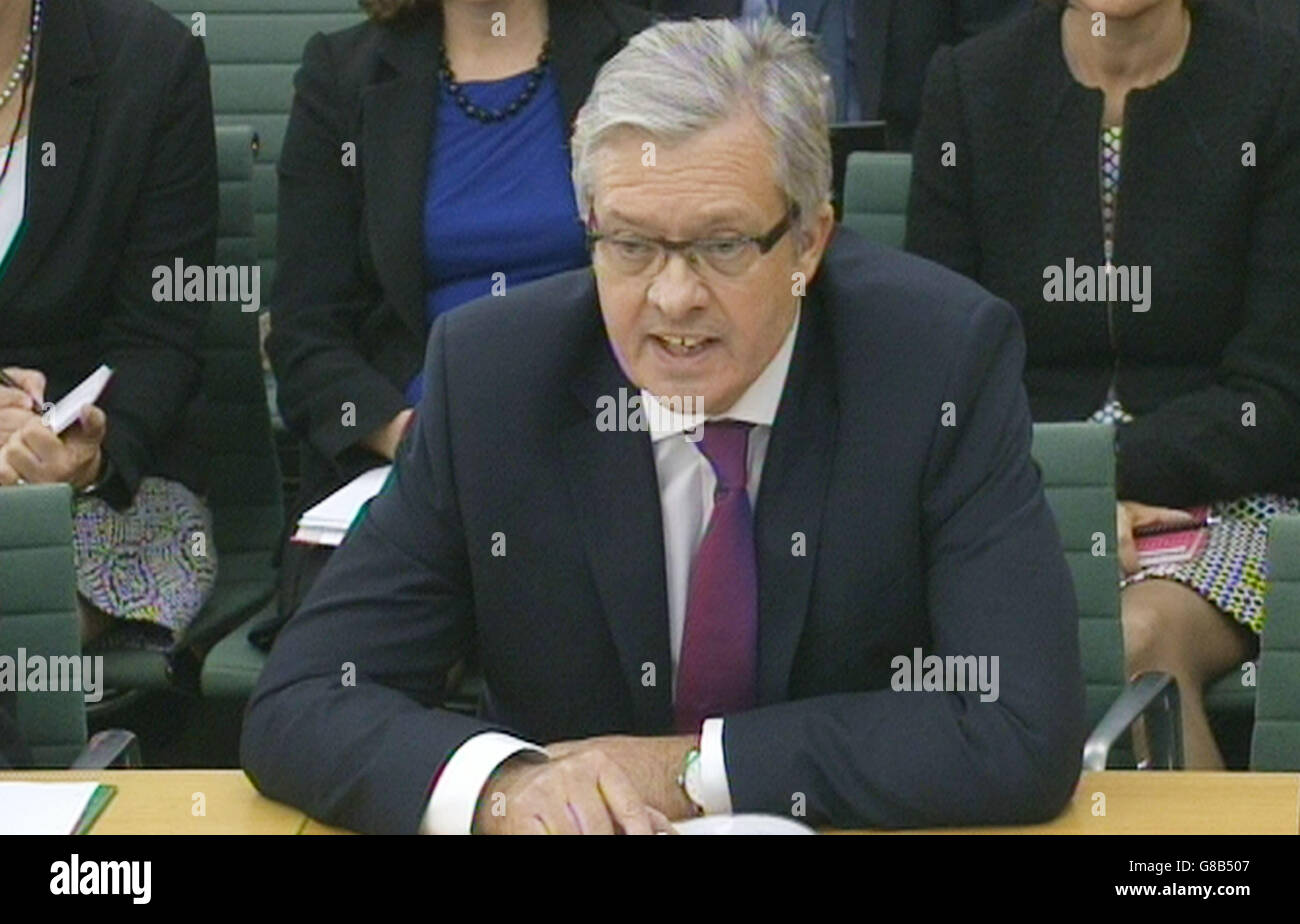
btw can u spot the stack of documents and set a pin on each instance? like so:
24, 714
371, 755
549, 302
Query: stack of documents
51, 808
328, 522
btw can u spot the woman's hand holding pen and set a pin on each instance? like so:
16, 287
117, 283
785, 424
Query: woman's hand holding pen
22, 396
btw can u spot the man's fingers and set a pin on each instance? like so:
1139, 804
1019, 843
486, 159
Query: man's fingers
626, 807
659, 821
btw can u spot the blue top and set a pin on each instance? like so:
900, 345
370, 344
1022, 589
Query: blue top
499, 198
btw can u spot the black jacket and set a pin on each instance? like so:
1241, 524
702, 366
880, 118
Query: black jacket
893, 41
348, 321
1220, 340
121, 179
919, 534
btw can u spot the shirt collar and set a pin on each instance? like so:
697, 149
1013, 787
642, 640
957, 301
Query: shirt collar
757, 405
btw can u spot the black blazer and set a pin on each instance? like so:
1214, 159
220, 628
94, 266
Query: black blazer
918, 535
348, 319
1222, 241
122, 96
893, 41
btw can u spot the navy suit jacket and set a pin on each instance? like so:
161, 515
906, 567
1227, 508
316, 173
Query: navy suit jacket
920, 529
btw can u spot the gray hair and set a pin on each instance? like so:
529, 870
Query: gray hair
676, 79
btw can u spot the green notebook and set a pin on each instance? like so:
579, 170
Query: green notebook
102, 795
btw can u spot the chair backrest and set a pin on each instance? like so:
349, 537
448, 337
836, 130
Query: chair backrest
254, 48
243, 474
1078, 466
875, 195
1275, 744
38, 614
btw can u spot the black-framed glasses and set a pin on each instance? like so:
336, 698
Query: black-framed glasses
631, 254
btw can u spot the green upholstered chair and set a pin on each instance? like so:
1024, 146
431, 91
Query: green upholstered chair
243, 474
1077, 461
38, 617
1275, 744
875, 195
254, 48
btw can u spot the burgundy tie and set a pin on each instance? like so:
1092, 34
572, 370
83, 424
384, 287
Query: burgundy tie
717, 671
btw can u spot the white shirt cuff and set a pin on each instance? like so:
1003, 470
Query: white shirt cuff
455, 796
714, 790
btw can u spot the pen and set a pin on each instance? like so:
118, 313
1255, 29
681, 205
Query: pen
1176, 528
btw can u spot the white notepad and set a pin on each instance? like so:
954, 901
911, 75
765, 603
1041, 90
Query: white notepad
752, 823
65, 413
43, 808
328, 522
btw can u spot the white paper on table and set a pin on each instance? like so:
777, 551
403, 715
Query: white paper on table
742, 824
42, 808
65, 413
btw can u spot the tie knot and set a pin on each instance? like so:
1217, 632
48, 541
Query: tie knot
724, 443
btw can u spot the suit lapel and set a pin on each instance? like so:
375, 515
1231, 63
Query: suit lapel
791, 499
63, 114
397, 119
871, 40
616, 500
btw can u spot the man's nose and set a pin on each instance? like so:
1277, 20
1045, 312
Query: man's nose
677, 289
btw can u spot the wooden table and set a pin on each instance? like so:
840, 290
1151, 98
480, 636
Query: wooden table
169, 802
1185, 802
164, 802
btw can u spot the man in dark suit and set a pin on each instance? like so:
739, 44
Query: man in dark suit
875, 51
774, 600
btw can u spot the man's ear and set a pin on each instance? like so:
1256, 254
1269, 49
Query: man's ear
816, 236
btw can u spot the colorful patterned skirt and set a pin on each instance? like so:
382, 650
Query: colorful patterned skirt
1231, 571
151, 565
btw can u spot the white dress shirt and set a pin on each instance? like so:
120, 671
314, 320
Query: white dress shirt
686, 485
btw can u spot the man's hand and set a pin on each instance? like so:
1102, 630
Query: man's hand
1131, 516
19, 406
35, 455
595, 786
384, 440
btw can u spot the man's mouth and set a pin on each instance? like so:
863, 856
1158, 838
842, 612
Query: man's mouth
683, 344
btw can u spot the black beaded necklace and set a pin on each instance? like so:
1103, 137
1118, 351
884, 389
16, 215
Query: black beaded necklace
484, 115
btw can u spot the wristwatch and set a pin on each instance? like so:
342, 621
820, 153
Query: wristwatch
690, 779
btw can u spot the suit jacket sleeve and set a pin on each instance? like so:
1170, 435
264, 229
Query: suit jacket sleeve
344, 720
320, 297
940, 225
996, 585
1205, 446
153, 345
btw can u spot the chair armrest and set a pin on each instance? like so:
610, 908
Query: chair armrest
1154, 697
113, 747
